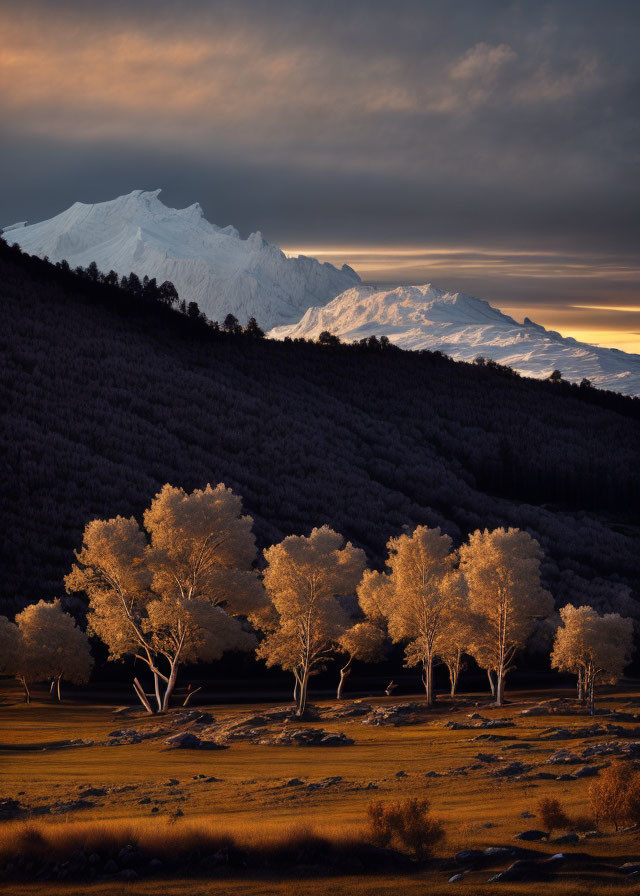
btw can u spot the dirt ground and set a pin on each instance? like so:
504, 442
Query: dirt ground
468, 773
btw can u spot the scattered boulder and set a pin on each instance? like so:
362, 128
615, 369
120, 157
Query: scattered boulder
187, 740
588, 771
306, 737
397, 714
479, 721
521, 870
332, 781
563, 757
488, 757
465, 856
567, 839
511, 770
630, 867
595, 730
127, 855
347, 711
70, 806
10, 808
532, 834
498, 852
191, 717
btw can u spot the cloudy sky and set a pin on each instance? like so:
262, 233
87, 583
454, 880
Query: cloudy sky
488, 146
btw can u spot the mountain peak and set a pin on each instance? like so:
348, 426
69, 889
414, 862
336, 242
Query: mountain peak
208, 264
464, 327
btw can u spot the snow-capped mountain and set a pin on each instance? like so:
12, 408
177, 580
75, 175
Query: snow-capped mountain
210, 265
424, 317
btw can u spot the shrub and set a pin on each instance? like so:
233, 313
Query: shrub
615, 795
632, 802
582, 822
407, 825
552, 815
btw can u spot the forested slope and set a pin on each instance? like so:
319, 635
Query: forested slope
105, 400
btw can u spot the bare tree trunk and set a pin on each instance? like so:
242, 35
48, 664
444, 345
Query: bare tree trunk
302, 701
156, 686
58, 688
580, 684
53, 684
345, 672
142, 697
427, 678
592, 698
499, 687
296, 688
453, 678
173, 675
491, 682
27, 693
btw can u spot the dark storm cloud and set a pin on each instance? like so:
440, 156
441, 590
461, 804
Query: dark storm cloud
479, 124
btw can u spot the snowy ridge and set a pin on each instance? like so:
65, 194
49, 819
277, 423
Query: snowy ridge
210, 265
424, 317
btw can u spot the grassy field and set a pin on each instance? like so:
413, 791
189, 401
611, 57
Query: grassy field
249, 799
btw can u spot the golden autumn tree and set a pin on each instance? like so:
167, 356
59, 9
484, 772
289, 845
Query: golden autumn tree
454, 641
361, 641
375, 590
304, 578
419, 595
596, 648
52, 646
9, 652
506, 597
173, 595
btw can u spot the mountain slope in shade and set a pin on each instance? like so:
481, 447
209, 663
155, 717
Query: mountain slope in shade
424, 317
210, 265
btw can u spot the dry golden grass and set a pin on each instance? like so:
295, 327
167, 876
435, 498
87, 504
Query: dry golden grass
250, 804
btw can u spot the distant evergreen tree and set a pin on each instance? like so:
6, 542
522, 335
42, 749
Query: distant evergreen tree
134, 287
110, 279
193, 311
327, 338
556, 376
150, 289
231, 324
168, 294
252, 329
93, 273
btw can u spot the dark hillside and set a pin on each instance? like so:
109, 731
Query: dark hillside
104, 400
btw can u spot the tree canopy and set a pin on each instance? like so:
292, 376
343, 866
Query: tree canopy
173, 595
304, 578
502, 571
